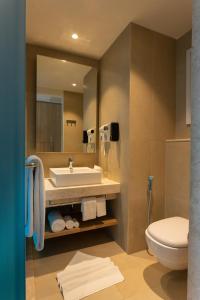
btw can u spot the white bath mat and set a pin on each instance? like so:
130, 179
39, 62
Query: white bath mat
86, 274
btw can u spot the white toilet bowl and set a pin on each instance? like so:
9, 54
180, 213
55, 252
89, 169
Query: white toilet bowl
167, 239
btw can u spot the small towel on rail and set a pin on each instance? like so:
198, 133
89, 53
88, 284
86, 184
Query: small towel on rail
101, 206
35, 202
89, 208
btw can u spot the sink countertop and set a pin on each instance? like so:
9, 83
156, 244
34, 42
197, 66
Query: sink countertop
107, 186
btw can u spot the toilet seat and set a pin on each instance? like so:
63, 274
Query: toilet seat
171, 232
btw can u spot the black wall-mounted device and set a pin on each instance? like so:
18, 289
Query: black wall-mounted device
85, 137
114, 132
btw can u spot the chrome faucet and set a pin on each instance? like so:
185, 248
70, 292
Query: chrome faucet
70, 164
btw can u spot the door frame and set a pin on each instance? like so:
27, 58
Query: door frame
12, 149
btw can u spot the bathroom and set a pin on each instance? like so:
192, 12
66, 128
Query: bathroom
107, 99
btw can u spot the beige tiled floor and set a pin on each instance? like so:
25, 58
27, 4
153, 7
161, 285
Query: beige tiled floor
145, 278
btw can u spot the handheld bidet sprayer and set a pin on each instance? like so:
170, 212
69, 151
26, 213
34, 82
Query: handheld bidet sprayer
150, 182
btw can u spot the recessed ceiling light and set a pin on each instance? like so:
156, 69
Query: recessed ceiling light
63, 60
74, 84
75, 36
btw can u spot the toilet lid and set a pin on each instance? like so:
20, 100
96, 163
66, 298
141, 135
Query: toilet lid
172, 232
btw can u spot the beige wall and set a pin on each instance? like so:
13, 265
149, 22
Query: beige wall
182, 44
48, 91
177, 160
90, 100
114, 106
152, 121
138, 91
32, 52
177, 178
73, 110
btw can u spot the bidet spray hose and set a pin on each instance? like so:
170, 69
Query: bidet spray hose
149, 200
149, 203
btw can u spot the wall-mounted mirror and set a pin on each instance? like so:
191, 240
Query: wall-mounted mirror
66, 106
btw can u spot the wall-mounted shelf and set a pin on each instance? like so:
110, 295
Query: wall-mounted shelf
84, 226
73, 201
65, 196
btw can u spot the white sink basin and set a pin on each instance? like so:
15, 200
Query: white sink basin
79, 176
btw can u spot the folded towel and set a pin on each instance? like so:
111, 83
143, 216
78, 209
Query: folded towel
80, 257
85, 275
56, 221
69, 223
71, 282
76, 223
85, 270
82, 265
101, 206
35, 203
95, 283
88, 208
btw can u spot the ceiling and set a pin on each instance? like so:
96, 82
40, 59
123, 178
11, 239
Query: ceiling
56, 74
99, 22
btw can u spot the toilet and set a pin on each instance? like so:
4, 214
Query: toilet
167, 239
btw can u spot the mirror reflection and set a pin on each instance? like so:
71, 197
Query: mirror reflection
66, 106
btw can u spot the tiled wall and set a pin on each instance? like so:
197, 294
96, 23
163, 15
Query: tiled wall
152, 121
177, 152
182, 44
73, 110
138, 91
114, 106
177, 178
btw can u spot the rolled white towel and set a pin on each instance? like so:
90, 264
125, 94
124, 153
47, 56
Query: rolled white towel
76, 223
56, 221
69, 223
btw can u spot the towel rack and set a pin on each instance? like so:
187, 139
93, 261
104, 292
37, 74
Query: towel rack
31, 165
73, 201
